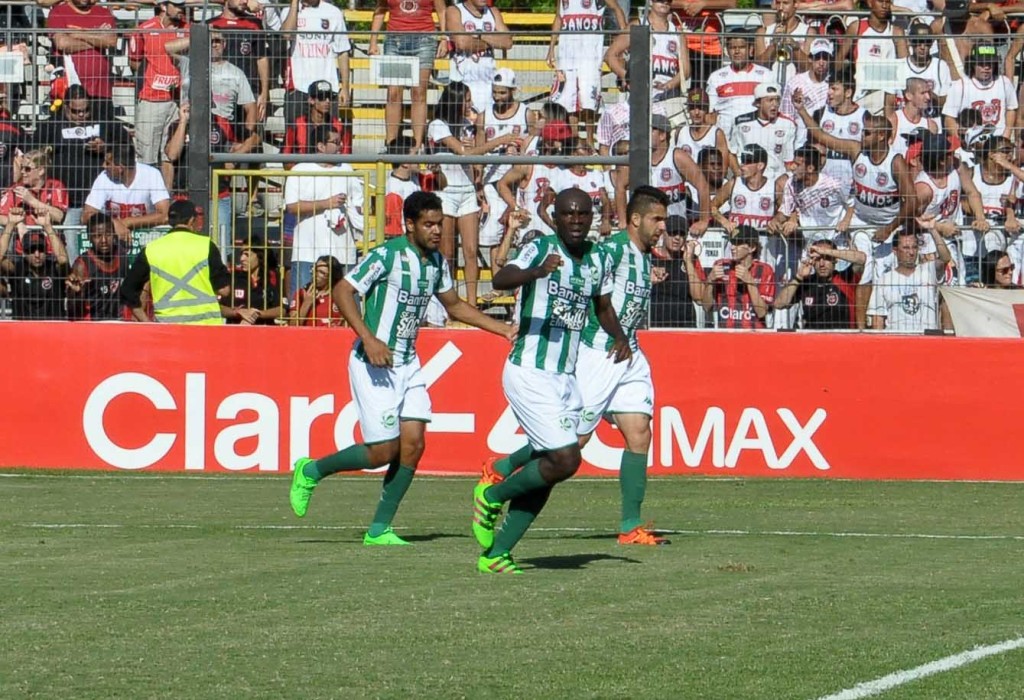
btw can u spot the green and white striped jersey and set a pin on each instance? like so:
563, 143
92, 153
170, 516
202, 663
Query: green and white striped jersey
552, 310
630, 273
396, 285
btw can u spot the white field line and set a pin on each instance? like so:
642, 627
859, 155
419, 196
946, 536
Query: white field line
880, 685
722, 533
431, 475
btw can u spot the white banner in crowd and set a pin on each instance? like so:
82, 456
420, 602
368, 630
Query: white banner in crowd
985, 313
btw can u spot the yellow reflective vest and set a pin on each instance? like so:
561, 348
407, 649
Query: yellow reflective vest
179, 275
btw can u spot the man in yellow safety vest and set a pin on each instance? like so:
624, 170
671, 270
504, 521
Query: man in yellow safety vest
185, 271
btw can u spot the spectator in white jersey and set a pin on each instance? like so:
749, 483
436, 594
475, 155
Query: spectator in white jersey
670, 60
672, 170
320, 51
731, 88
477, 29
984, 89
765, 126
386, 381
813, 82
702, 133
403, 180
132, 194
871, 40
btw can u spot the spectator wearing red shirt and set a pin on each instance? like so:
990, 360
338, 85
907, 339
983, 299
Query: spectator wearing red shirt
35, 194
298, 137
411, 32
94, 284
315, 303
161, 80
739, 291
83, 48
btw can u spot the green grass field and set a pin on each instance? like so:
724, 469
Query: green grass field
139, 586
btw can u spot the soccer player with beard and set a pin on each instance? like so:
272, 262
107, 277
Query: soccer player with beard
559, 278
396, 282
620, 392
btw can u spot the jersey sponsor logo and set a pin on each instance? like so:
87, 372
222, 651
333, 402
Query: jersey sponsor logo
637, 290
874, 199
582, 23
726, 314
860, 169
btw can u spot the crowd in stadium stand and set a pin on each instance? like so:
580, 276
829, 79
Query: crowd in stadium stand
829, 166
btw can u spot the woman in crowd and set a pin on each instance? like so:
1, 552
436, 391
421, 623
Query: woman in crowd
315, 305
997, 271
255, 289
453, 131
38, 196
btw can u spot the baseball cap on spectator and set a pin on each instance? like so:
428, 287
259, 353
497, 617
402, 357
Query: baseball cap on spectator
33, 240
984, 53
661, 123
505, 77
819, 46
767, 90
697, 98
556, 131
320, 88
753, 153
918, 30
745, 234
676, 225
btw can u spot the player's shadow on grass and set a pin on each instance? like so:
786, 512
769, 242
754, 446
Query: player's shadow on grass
428, 537
574, 561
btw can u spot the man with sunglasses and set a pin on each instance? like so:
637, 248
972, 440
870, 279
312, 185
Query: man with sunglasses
80, 134
298, 137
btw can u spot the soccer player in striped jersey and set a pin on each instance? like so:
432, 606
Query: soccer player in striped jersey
623, 392
397, 281
559, 277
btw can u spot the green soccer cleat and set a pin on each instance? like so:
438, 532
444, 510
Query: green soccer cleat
388, 537
302, 488
501, 564
485, 515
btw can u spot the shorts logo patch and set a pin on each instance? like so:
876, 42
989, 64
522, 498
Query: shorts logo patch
565, 422
389, 419
587, 416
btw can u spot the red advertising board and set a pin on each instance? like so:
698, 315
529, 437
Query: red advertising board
251, 400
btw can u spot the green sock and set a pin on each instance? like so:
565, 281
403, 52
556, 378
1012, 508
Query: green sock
522, 482
632, 484
508, 464
348, 460
522, 511
396, 483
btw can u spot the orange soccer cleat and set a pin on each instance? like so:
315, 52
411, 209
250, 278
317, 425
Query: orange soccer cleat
641, 535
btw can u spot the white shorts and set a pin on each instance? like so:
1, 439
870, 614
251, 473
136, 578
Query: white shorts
609, 388
491, 231
547, 405
385, 396
580, 90
458, 201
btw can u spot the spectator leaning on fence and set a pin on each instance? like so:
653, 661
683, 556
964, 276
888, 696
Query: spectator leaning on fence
906, 298
739, 290
35, 278
412, 32
94, 284
133, 194
320, 51
83, 49
676, 285
825, 295
161, 81
185, 271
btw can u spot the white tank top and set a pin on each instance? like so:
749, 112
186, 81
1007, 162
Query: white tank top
664, 54
876, 198
666, 178
495, 126
872, 44
579, 34
692, 146
945, 201
994, 196
531, 196
752, 207
842, 126
478, 65
905, 126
